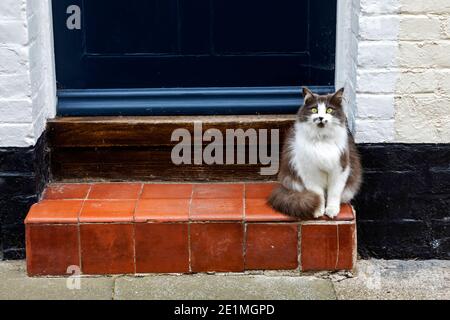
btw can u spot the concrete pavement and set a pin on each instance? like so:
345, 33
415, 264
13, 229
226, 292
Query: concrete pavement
374, 279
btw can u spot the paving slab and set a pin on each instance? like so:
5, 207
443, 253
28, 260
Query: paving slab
374, 279
15, 285
226, 287
397, 280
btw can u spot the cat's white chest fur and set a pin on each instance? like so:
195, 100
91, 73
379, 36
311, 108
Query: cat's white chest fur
314, 156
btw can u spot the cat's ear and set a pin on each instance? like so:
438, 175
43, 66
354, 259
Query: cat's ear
336, 98
308, 96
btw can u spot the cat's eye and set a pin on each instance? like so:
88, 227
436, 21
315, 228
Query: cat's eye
314, 110
329, 110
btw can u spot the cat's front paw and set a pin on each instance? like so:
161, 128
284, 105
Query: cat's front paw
317, 214
332, 211
320, 212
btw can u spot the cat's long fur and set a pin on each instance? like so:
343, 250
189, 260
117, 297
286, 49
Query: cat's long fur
320, 166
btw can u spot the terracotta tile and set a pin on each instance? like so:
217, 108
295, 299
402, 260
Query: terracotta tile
259, 210
162, 210
167, 191
259, 190
217, 210
347, 246
217, 247
346, 214
319, 246
51, 249
107, 211
271, 247
54, 211
107, 248
66, 191
218, 191
115, 191
162, 248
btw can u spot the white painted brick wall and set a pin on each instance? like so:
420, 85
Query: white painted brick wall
27, 84
377, 73
393, 58
403, 74
422, 104
425, 6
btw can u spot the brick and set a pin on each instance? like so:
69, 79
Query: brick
15, 86
417, 82
12, 9
419, 28
376, 81
377, 54
15, 111
430, 6
424, 55
379, 27
16, 135
13, 60
371, 106
377, 6
422, 118
13, 32
374, 131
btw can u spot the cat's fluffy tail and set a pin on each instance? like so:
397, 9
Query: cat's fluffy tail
293, 203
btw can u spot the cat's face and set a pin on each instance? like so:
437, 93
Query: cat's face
322, 111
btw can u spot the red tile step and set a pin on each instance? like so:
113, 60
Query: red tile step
134, 228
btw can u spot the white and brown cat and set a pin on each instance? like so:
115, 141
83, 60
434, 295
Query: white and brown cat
320, 166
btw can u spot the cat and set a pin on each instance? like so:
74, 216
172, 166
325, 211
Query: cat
320, 166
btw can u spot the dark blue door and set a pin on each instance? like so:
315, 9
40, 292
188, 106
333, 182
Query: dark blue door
153, 44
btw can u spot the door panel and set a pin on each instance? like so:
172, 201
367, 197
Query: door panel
195, 43
259, 26
119, 27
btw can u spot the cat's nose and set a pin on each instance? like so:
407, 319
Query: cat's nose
321, 119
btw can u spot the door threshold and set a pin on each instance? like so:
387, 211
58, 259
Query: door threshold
182, 101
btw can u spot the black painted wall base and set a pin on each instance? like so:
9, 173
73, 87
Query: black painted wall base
23, 175
404, 205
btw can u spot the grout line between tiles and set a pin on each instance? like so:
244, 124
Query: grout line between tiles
189, 229
299, 247
244, 240
133, 222
354, 246
337, 247
244, 206
79, 228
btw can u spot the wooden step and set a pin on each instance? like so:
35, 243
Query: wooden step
134, 228
139, 148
